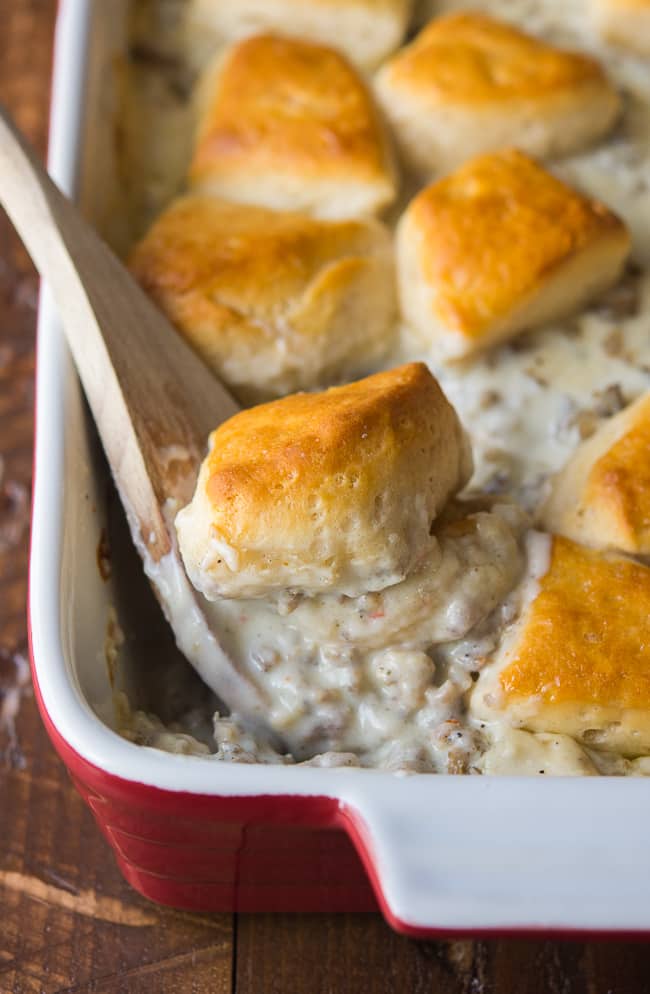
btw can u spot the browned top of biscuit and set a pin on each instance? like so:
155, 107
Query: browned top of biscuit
620, 482
344, 440
494, 231
230, 265
287, 104
585, 637
601, 497
474, 59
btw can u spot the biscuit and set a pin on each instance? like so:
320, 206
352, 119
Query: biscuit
470, 83
517, 753
601, 498
274, 302
624, 22
325, 492
290, 125
365, 30
498, 247
577, 661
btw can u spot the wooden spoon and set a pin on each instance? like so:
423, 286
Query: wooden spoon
153, 399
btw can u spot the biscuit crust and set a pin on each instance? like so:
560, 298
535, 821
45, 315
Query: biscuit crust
330, 492
602, 496
274, 302
365, 30
289, 124
470, 83
499, 246
578, 660
625, 23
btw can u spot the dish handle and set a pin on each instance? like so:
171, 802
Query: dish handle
500, 855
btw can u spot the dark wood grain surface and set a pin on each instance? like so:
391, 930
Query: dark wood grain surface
68, 922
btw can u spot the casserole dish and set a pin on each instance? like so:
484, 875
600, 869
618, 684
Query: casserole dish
438, 855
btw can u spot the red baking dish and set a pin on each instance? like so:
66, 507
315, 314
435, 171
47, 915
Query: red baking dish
438, 855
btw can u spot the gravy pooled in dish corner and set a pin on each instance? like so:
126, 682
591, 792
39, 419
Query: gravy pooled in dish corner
431, 568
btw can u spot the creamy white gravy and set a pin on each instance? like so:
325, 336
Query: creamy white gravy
381, 680
376, 680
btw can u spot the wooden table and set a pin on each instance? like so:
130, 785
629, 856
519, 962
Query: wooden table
68, 922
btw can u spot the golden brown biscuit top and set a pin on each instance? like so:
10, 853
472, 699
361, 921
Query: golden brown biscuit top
244, 257
471, 58
586, 637
625, 5
620, 481
495, 230
343, 440
283, 102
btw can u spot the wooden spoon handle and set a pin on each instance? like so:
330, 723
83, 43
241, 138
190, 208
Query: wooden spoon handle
153, 399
